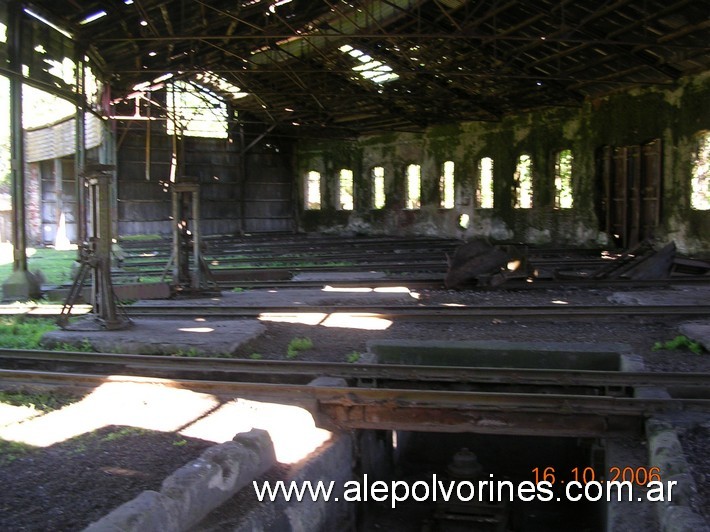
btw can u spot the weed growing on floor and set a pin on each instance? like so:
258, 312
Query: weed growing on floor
123, 432
192, 352
679, 342
180, 443
83, 347
256, 356
297, 345
42, 402
12, 450
353, 357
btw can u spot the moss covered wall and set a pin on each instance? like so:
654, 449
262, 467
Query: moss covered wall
675, 115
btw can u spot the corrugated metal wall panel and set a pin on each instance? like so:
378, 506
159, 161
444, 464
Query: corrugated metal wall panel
58, 140
144, 207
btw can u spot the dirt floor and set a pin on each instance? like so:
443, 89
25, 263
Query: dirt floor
68, 485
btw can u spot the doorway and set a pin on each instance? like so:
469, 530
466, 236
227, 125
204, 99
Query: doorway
629, 204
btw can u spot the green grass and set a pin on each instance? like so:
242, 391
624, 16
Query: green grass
353, 357
297, 345
56, 266
18, 332
139, 238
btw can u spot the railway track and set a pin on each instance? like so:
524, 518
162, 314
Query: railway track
434, 398
392, 312
288, 371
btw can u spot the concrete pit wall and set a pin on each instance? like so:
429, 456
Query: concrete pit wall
675, 116
221, 478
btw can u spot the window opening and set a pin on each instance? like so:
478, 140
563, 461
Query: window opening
414, 186
313, 190
345, 190
378, 187
446, 186
563, 180
484, 187
195, 111
700, 180
523, 183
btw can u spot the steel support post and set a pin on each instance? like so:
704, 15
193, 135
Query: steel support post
98, 178
80, 150
21, 284
193, 276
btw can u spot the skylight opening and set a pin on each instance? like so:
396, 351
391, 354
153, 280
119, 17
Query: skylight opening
93, 17
49, 23
221, 84
373, 69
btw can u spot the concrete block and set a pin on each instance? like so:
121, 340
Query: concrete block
21, 286
666, 453
682, 519
195, 489
146, 513
130, 291
204, 484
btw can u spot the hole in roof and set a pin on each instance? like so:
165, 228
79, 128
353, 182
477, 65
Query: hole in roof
370, 68
220, 84
93, 17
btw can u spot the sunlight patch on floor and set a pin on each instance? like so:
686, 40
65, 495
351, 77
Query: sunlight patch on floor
160, 408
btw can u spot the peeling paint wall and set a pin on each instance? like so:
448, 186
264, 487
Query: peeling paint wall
675, 115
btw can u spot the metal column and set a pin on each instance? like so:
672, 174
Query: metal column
21, 284
189, 276
95, 255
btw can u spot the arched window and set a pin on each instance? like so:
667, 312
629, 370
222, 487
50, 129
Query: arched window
345, 190
523, 183
700, 175
446, 186
378, 187
414, 186
484, 184
563, 179
313, 190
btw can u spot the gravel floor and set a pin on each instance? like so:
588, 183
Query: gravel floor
68, 485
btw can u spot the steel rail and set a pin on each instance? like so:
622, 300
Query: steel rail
411, 312
400, 266
426, 281
284, 370
394, 398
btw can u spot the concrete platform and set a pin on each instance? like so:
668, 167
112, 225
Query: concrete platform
339, 276
676, 295
264, 298
698, 331
163, 337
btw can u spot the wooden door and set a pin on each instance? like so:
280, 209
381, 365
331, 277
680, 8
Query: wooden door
630, 199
